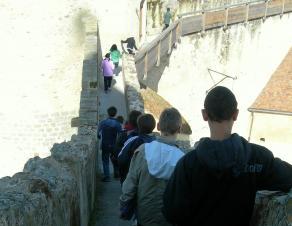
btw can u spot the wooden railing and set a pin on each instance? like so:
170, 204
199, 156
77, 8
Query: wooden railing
200, 21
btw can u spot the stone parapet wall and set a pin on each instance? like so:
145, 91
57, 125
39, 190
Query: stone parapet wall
59, 190
273, 209
132, 87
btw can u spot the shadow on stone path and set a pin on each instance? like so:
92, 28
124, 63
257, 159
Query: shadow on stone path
107, 204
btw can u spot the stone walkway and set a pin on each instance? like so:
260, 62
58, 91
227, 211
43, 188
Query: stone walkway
107, 210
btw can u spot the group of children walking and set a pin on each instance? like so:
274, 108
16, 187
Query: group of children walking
109, 66
110, 63
213, 184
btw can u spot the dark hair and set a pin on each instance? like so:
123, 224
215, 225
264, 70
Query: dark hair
170, 121
112, 111
168, 9
146, 123
220, 104
108, 55
120, 119
133, 117
114, 47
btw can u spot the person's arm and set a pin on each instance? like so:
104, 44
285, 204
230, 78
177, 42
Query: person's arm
176, 198
123, 49
276, 174
100, 127
127, 152
130, 185
112, 65
135, 45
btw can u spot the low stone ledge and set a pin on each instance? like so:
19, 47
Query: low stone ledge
272, 209
132, 86
57, 190
19, 205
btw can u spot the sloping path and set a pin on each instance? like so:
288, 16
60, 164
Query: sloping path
108, 193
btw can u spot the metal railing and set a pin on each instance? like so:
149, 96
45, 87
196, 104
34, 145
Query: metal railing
202, 20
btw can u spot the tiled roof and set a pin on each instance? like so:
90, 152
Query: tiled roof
276, 97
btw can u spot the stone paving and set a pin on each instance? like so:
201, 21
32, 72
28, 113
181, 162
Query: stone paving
107, 211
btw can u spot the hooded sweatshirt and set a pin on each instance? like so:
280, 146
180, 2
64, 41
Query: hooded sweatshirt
107, 67
151, 167
216, 183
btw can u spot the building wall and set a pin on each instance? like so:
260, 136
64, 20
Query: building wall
276, 131
42, 49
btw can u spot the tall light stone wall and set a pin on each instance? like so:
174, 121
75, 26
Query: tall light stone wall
40, 76
59, 190
119, 20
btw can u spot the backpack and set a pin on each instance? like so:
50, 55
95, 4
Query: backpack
126, 154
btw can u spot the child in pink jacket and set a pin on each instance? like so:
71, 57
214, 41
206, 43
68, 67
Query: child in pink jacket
107, 71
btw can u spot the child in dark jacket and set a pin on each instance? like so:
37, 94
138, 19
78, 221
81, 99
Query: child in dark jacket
146, 124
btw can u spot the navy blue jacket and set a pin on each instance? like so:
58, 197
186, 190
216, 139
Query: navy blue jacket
126, 154
108, 130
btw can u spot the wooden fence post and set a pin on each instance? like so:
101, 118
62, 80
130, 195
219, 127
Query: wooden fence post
178, 31
266, 9
145, 65
246, 13
170, 42
283, 8
226, 19
203, 21
158, 53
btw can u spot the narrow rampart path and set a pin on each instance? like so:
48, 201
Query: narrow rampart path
107, 211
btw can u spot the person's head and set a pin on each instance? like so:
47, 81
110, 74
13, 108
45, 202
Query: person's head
170, 122
120, 119
134, 114
112, 111
146, 123
168, 9
107, 56
220, 105
114, 47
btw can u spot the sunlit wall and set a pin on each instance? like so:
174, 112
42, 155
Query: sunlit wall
40, 76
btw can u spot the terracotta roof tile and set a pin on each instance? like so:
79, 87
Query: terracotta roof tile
276, 97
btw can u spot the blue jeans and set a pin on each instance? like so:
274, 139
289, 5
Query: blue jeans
105, 162
107, 82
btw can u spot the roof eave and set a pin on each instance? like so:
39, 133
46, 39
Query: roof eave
275, 112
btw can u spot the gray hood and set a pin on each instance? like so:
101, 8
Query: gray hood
231, 155
161, 159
